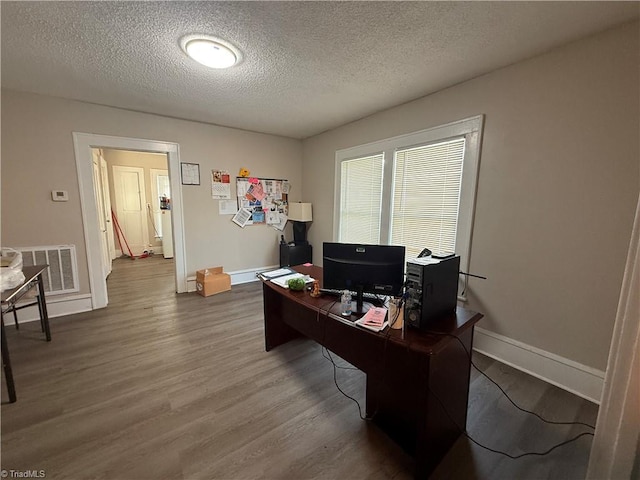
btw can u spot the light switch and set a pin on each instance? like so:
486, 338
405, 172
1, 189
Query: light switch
59, 195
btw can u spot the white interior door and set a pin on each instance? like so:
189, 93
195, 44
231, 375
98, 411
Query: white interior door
98, 189
130, 199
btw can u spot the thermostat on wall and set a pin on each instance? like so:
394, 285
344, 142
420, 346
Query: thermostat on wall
59, 195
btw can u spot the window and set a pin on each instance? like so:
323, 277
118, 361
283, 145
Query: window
416, 190
426, 196
360, 199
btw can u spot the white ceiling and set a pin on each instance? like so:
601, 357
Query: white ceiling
307, 67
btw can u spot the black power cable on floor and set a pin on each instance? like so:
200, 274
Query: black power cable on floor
466, 434
327, 312
501, 389
335, 380
463, 431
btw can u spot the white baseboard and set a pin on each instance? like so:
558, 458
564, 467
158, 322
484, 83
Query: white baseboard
237, 277
56, 307
581, 380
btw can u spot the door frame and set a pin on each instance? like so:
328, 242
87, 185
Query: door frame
82, 144
104, 177
102, 218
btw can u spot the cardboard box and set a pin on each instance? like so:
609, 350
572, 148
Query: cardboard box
211, 281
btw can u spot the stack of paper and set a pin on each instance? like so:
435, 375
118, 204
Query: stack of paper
375, 319
277, 273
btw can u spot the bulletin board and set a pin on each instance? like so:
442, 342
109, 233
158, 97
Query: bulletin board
265, 198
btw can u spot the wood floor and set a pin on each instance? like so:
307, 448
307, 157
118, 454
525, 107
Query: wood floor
166, 386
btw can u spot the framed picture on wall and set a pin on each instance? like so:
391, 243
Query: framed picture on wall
190, 173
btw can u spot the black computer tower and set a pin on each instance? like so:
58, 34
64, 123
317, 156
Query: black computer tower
432, 290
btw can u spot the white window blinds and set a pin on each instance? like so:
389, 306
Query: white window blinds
361, 199
426, 196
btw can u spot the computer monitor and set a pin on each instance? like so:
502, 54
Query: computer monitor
377, 269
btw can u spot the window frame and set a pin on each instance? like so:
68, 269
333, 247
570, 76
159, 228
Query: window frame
471, 128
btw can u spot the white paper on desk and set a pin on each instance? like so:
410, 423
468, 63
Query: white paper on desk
424, 261
375, 319
370, 327
282, 281
278, 273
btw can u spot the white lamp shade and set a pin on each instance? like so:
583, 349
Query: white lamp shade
300, 212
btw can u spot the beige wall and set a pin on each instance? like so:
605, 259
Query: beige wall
38, 156
146, 161
558, 183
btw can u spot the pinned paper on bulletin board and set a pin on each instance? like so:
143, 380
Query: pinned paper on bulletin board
256, 190
273, 217
242, 218
282, 222
265, 199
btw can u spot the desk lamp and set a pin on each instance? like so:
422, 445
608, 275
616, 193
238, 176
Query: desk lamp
299, 213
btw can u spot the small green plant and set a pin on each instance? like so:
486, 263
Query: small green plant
296, 284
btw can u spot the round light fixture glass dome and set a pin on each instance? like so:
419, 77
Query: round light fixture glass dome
210, 51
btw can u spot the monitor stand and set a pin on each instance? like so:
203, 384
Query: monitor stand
363, 307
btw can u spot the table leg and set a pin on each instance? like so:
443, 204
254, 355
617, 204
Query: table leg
42, 305
40, 311
6, 363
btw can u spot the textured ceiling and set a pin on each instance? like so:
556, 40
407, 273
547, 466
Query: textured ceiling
307, 67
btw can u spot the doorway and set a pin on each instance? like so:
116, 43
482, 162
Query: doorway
131, 200
140, 192
83, 145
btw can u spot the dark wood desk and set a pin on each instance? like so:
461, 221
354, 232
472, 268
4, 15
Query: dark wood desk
411, 375
33, 279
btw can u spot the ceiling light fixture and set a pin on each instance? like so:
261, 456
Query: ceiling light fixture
210, 51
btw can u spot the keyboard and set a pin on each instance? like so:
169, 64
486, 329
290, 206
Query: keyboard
338, 293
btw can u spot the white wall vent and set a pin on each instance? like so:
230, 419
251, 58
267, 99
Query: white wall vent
62, 274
